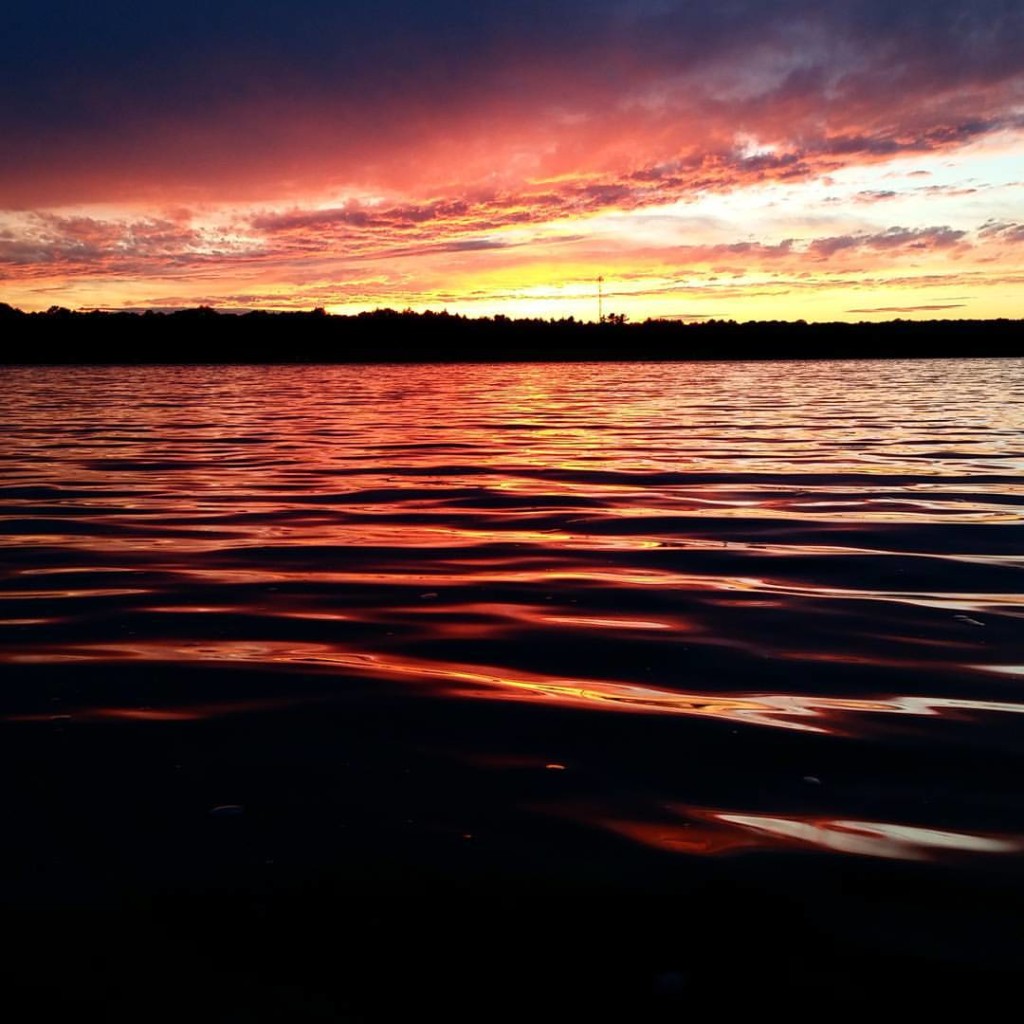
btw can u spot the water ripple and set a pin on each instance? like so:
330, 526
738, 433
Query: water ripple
827, 558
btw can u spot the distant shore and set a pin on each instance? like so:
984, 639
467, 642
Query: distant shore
202, 335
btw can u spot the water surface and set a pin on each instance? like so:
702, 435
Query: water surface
606, 618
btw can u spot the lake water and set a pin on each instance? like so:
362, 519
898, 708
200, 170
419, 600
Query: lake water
733, 635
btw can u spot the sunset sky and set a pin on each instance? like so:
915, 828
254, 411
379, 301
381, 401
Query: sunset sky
747, 159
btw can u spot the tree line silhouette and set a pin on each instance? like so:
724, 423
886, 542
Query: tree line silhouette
202, 335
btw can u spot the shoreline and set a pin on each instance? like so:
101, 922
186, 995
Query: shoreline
204, 337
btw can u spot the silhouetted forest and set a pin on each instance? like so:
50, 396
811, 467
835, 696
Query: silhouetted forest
203, 335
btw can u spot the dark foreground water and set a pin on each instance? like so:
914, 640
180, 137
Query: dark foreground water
344, 693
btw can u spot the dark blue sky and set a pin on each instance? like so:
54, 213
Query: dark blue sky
71, 66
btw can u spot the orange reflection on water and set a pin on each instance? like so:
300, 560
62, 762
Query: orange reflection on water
498, 617
604, 622
872, 838
708, 832
794, 711
189, 713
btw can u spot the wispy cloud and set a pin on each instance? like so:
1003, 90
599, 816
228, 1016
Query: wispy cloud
909, 309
